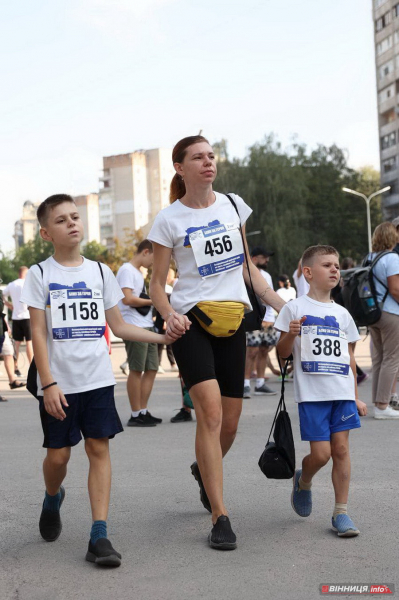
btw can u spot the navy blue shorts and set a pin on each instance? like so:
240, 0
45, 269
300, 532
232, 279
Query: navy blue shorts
90, 414
318, 420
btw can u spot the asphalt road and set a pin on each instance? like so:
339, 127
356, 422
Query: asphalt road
158, 524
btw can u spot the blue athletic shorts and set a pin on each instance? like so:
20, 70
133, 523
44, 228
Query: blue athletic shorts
90, 414
318, 420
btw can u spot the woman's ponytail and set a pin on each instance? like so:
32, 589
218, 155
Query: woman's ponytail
177, 188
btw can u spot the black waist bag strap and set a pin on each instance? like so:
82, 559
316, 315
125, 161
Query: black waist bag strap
277, 461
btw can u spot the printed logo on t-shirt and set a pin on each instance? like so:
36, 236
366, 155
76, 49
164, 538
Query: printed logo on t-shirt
324, 347
190, 230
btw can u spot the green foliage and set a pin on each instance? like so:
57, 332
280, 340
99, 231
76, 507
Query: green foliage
8, 272
297, 199
33, 252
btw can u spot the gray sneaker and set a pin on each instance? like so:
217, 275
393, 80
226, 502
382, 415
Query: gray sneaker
247, 391
264, 390
394, 402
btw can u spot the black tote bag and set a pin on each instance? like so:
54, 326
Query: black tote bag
277, 461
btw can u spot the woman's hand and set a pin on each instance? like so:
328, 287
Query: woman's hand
177, 325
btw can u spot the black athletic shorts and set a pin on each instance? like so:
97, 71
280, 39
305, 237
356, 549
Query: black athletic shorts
201, 356
21, 330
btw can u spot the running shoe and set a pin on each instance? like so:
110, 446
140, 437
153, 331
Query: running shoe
264, 390
50, 524
247, 391
222, 537
124, 367
2, 399
102, 553
344, 526
182, 416
18, 373
150, 417
394, 402
203, 496
301, 500
140, 421
361, 378
161, 370
386, 413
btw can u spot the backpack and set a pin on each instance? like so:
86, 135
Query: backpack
359, 293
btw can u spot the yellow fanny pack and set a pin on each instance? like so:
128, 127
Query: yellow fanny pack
221, 319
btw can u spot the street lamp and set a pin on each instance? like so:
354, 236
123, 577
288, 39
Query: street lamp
367, 199
252, 233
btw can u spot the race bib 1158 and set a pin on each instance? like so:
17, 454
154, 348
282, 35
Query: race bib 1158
324, 350
77, 314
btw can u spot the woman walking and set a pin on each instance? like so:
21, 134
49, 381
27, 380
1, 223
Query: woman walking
204, 232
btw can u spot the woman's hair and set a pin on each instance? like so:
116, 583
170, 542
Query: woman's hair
385, 237
177, 186
285, 280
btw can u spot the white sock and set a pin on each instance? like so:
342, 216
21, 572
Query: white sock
340, 509
247, 383
260, 381
135, 413
143, 411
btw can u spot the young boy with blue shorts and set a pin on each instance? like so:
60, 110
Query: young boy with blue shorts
70, 300
320, 334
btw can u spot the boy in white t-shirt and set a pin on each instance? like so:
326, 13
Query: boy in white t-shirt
320, 334
70, 299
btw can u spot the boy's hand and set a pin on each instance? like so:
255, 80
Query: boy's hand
176, 326
168, 339
295, 326
54, 399
361, 408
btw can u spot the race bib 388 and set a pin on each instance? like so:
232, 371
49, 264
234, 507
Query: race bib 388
324, 350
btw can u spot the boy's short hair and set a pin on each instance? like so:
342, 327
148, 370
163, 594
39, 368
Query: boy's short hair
48, 204
319, 250
144, 245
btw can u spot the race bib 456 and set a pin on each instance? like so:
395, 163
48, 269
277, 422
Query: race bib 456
217, 249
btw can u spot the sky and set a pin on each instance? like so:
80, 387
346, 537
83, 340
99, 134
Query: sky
83, 79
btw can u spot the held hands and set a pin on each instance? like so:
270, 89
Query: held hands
54, 399
361, 408
176, 326
295, 326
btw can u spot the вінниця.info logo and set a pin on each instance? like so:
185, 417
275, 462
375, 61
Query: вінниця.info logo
356, 588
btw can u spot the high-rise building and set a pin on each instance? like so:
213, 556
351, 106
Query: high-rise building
27, 227
89, 214
386, 37
135, 188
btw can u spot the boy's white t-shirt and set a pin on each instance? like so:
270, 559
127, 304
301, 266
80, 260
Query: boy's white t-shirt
78, 365
14, 289
316, 387
172, 227
130, 277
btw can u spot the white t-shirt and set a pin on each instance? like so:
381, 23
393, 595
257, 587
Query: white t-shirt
269, 314
130, 277
78, 365
333, 328
287, 294
302, 286
172, 227
14, 289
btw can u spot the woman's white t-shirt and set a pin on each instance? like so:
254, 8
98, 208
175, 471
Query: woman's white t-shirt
172, 227
78, 365
330, 318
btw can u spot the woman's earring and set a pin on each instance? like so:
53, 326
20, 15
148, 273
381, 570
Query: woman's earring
182, 178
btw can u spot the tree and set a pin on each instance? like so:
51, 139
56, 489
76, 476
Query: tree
8, 272
32, 252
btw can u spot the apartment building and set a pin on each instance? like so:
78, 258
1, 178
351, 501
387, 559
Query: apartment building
89, 213
26, 228
386, 37
135, 188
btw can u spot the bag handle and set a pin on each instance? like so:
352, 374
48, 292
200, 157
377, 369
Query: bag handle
245, 253
281, 405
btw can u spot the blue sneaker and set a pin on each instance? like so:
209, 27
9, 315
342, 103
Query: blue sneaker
344, 526
301, 500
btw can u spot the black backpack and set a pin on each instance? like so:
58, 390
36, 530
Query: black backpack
359, 294
277, 461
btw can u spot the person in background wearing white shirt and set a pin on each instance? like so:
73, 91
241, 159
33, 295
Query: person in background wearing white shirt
302, 286
136, 308
285, 290
260, 342
20, 316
